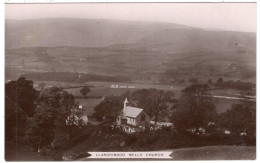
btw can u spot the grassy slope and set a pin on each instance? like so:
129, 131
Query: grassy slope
20, 152
215, 153
138, 64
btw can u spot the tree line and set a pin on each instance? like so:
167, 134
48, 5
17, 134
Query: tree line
239, 85
71, 77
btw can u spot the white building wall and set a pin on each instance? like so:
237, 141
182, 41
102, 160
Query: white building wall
131, 121
128, 120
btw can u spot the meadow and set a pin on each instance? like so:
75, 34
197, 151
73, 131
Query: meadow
89, 104
145, 65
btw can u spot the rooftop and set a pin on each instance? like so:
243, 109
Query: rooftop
132, 112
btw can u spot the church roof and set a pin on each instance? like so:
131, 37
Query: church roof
132, 112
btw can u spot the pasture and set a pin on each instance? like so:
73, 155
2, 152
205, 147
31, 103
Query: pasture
222, 105
88, 104
136, 64
103, 89
215, 153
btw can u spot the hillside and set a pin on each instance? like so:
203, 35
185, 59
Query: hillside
194, 39
139, 50
77, 32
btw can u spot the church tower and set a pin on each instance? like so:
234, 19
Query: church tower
125, 102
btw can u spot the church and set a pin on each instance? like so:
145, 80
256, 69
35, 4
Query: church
132, 119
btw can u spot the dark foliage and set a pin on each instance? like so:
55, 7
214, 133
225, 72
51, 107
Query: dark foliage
239, 85
108, 109
39, 132
240, 119
153, 101
74, 77
194, 109
84, 91
22, 93
234, 84
19, 105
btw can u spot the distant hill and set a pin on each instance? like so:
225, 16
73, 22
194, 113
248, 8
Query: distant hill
120, 34
195, 39
77, 32
138, 50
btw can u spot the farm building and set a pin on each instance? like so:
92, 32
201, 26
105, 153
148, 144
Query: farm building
159, 125
132, 119
114, 86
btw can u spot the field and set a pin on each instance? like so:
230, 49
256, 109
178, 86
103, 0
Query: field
102, 89
221, 104
215, 153
144, 65
20, 152
88, 104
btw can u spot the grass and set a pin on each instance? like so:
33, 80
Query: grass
215, 153
221, 104
123, 62
103, 88
88, 104
231, 92
20, 152
97, 138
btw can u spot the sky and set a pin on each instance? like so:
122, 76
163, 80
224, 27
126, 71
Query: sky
225, 16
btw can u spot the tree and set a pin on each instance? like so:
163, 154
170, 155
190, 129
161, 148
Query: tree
239, 119
39, 132
22, 93
209, 82
193, 80
13, 118
61, 102
220, 82
59, 99
41, 86
73, 123
195, 110
84, 91
153, 101
19, 105
109, 108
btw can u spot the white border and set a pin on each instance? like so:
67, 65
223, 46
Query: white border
84, 1
2, 54
2, 81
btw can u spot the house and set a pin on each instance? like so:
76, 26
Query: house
84, 119
131, 86
132, 119
114, 86
159, 125
227, 132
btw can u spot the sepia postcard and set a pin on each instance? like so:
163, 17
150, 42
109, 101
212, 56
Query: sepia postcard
130, 81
